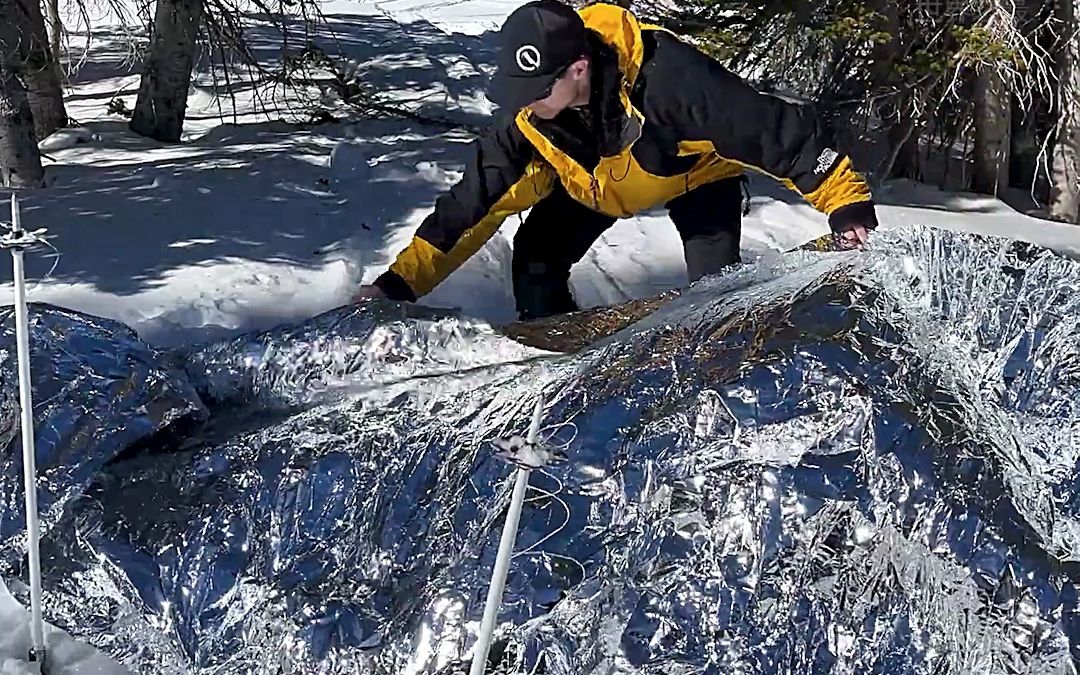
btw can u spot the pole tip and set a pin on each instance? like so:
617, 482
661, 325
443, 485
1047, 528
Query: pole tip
16, 221
36, 660
36, 655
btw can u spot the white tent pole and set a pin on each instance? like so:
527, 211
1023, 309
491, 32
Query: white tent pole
17, 242
506, 548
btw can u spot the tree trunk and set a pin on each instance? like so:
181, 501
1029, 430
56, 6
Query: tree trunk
41, 72
908, 158
55, 29
163, 89
20, 161
1023, 147
993, 125
1065, 166
902, 158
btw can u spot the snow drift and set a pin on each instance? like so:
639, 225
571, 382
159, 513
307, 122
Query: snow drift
827, 463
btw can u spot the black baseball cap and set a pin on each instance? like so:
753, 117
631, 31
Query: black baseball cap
537, 42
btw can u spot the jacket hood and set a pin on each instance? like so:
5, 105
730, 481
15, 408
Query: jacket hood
622, 32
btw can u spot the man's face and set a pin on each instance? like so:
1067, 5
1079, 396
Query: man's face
569, 90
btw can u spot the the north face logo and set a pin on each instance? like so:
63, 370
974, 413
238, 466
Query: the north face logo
825, 160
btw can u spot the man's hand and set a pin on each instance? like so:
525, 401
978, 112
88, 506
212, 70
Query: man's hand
852, 225
855, 237
368, 292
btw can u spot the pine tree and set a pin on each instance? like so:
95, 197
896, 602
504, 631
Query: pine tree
163, 90
1065, 165
20, 160
41, 72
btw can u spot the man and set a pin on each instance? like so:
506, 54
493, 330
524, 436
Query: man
614, 117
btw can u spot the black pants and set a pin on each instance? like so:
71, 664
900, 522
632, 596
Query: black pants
559, 232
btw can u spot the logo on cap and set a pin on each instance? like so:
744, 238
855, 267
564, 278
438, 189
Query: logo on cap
528, 58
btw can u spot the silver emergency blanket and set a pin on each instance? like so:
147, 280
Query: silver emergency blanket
99, 390
819, 463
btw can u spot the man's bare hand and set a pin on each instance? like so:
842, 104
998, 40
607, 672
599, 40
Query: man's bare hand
855, 237
368, 292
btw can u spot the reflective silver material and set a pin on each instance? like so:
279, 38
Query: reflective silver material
346, 351
822, 463
97, 391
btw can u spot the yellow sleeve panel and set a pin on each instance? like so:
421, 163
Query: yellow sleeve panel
843, 186
423, 266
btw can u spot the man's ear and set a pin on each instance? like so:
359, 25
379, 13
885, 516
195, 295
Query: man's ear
579, 69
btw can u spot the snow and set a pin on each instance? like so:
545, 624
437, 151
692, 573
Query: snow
472, 17
64, 656
259, 217
67, 138
255, 220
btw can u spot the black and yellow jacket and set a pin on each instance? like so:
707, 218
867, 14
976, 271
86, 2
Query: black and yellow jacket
663, 119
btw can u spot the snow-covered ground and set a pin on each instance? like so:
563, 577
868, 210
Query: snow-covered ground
64, 655
255, 220
258, 220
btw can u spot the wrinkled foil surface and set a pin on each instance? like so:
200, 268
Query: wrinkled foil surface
819, 463
98, 390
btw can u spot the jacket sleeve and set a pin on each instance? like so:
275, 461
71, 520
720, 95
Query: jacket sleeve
710, 108
503, 177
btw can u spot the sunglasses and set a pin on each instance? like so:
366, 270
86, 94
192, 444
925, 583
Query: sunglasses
558, 76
